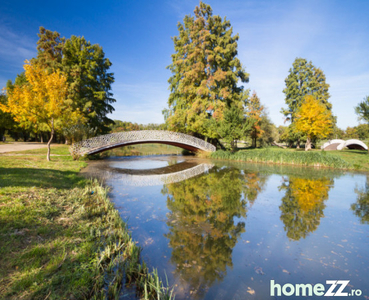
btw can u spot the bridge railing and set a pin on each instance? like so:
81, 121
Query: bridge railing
108, 140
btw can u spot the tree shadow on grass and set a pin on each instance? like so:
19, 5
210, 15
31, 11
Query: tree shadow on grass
42, 178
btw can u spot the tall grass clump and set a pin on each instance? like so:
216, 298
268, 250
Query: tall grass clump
279, 156
117, 263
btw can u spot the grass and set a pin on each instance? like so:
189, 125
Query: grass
144, 149
61, 237
359, 159
332, 159
57, 149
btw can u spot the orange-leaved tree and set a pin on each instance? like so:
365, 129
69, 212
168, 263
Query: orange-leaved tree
313, 119
42, 101
254, 111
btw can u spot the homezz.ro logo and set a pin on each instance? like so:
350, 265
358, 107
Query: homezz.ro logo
335, 288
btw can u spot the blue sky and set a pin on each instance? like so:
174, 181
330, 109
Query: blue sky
136, 37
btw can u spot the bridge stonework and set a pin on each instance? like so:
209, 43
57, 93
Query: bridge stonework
119, 139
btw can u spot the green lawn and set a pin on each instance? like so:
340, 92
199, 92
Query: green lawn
359, 159
60, 236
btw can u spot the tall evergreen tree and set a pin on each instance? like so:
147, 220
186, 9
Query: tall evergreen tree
304, 79
205, 72
50, 49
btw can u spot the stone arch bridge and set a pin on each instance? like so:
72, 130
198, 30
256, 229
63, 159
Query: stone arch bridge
120, 139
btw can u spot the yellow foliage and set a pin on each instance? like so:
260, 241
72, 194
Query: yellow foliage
313, 118
42, 100
310, 193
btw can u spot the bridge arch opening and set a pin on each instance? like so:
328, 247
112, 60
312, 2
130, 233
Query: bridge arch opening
178, 145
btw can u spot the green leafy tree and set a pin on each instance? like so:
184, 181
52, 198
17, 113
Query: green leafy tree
89, 81
232, 127
362, 131
351, 133
304, 79
337, 133
362, 110
87, 74
120, 126
270, 131
206, 73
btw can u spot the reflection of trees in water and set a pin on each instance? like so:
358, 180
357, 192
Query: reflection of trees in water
253, 184
361, 206
303, 205
202, 228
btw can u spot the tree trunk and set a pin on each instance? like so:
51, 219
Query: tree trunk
51, 138
308, 144
253, 145
298, 143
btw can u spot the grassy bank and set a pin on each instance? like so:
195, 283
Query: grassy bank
61, 237
144, 149
319, 158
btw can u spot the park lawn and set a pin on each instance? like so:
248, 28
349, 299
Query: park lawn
359, 159
56, 149
60, 236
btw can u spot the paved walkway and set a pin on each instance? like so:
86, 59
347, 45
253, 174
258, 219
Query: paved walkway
20, 146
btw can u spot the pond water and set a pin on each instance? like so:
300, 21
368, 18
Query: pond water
222, 230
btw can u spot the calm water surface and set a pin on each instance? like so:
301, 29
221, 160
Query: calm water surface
221, 230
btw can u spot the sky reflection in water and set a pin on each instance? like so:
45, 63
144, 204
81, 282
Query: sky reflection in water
226, 233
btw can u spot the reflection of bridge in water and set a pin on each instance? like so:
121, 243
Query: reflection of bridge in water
159, 176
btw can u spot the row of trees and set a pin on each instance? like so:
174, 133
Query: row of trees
206, 97
66, 88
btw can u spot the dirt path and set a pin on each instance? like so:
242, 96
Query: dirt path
19, 146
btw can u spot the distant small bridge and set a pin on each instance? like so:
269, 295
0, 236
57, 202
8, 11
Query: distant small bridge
341, 144
119, 139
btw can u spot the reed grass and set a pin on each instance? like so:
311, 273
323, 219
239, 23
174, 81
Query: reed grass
281, 156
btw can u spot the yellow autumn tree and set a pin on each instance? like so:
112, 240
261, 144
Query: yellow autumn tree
42, 101
313, 119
